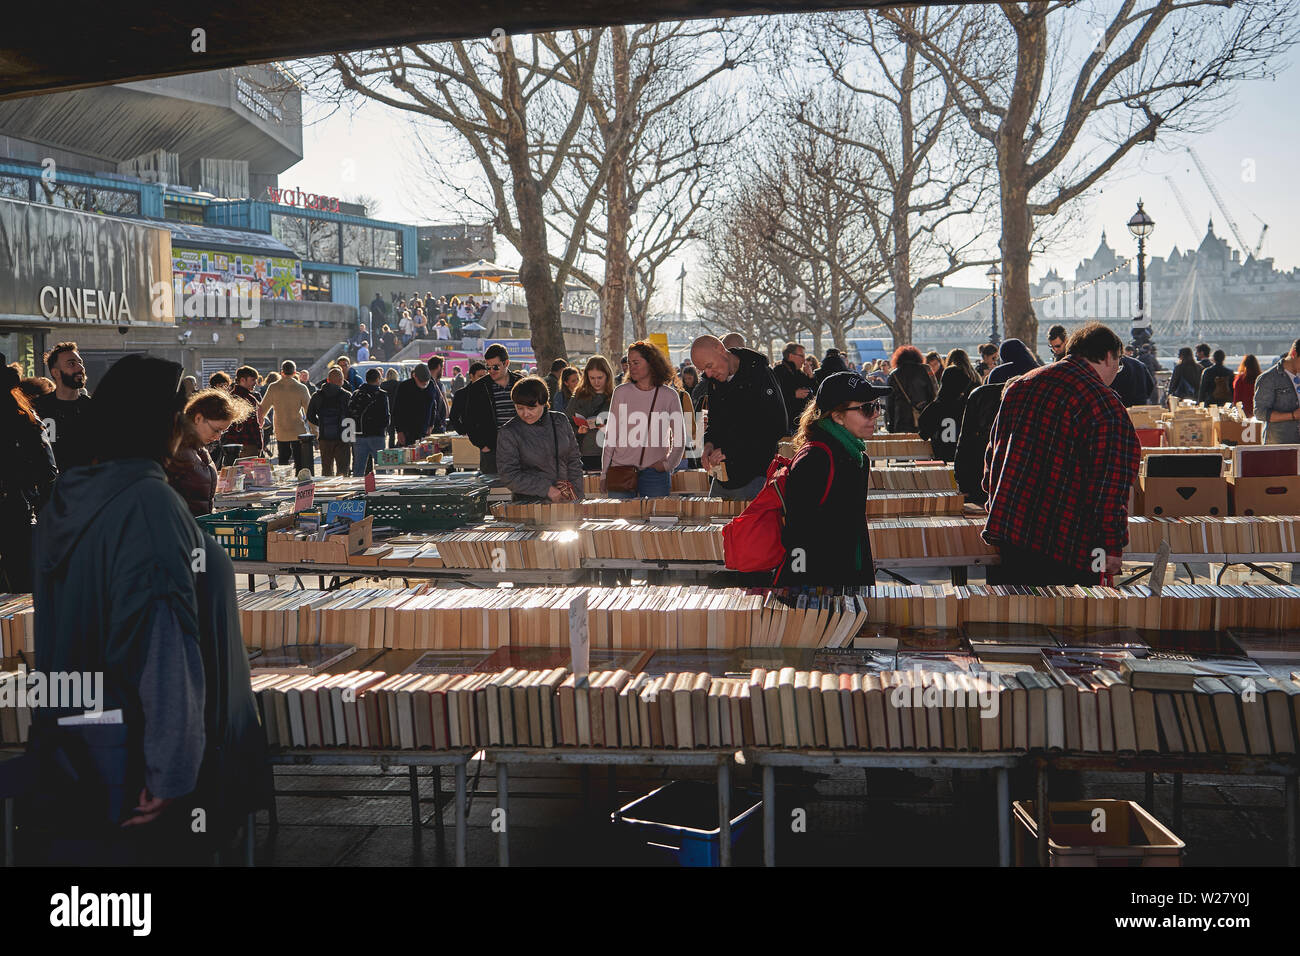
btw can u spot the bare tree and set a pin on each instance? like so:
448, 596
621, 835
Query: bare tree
491, 93
931, 181
654, 137
1061, 114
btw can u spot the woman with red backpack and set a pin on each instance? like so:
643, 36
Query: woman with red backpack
825, 529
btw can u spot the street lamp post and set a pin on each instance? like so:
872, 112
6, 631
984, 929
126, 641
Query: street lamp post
993, 274
1141, 225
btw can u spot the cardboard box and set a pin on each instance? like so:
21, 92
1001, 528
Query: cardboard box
1146, 416
1266, 496
336, 549
1180, 497
464, 453
1266, 461
1150, 437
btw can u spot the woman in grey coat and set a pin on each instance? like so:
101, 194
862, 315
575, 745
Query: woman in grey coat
537, 452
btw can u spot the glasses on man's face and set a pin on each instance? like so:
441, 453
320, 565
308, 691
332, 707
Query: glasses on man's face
494, 368
869, 409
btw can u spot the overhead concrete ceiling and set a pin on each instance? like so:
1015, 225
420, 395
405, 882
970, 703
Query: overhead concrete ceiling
71, 44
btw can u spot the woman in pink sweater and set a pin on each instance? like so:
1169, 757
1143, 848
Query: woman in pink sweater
645, 430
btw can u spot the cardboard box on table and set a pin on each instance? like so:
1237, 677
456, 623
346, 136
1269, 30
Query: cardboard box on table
1176, 497
335, 549
1266, 480
464, 453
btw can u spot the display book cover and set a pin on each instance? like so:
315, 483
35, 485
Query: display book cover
303, 658
989, 639
1264, 644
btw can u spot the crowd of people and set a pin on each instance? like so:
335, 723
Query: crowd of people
405, 318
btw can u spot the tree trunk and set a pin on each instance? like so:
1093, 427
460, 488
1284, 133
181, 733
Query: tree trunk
1018, 318
614, 294
540, 292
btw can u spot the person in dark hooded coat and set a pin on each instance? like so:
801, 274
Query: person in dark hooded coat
973, 440
832, 363
912, 389
940, 422
1016, 360
121, 590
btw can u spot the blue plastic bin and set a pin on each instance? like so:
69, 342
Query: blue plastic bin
681, 818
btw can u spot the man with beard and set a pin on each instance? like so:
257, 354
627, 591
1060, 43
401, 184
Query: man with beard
65, 412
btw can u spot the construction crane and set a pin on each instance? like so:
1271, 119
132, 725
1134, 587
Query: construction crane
1182, 204
1218, 201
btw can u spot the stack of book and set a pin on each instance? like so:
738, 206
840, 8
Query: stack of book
904, 445
895, 504
648, 540
1255, 534
927, 537
502, 549
673, 505
913, 478
17, 624
15, 707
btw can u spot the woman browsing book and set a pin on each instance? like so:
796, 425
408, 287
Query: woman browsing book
589, 407
825, 533
645, 437
537, 453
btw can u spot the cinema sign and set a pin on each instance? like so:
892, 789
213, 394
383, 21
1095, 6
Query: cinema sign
68, 267
300, 199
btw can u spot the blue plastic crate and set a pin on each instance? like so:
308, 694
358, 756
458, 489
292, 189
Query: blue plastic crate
681, 818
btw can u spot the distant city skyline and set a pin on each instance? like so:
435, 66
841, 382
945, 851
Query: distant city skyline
372, 151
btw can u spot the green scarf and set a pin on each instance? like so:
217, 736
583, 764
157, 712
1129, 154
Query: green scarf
856, 447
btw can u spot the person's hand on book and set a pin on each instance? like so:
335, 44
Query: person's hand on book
148, 810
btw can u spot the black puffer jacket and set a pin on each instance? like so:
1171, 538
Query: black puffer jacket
976, 426
941, 420
912, 389
747, 418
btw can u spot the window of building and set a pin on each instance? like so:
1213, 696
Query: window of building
316, 285
183, 212
115, 202
15, 187
323, 239
292, 231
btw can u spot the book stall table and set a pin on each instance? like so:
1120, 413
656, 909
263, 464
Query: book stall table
721, 760
1175, 765
437, 467
769, 760
384, 759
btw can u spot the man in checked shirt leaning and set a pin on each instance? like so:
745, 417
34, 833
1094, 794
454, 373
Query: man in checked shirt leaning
1062, 457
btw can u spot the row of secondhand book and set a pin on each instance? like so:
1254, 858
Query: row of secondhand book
670, 538
674, 616
1025, 709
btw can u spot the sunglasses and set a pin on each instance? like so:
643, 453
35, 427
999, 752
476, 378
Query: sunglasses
494, 368
869, 409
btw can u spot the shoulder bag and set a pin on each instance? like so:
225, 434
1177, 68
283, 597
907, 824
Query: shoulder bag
624, 477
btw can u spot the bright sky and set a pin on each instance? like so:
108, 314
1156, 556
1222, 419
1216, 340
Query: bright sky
1250, 154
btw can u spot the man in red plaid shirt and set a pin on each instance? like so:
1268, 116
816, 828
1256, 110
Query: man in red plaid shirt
1061, 459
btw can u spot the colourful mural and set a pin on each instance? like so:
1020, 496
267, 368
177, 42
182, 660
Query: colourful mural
195, 270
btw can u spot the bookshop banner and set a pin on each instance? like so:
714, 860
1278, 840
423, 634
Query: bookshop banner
194, 271
68, 267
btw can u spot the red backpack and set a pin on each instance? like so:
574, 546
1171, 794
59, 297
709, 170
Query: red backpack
751, 541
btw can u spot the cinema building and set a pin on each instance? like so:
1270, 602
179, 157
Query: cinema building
150, 216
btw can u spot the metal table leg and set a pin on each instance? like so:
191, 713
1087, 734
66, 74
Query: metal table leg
503, 800
724, 813
769, 816
1292, 798
9, 831
1044, 825
1178, 803
416, 835
438, 803
1003, 810
460, 814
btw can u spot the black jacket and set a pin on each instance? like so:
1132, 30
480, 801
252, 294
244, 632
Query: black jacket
747, 418
455, 420
1205, 394
1185, 380
1133, 383
26, 480
480, 415
911, 390
973, 441
828, 533
71, 436
327, 409
412, 410
941, 420
369, 409
791, 380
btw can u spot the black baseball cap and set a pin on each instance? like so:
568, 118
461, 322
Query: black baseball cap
842, 388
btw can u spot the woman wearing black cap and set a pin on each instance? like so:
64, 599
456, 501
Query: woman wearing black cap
825, 533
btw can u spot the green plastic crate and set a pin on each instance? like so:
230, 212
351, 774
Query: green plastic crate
424, 511
240, 531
